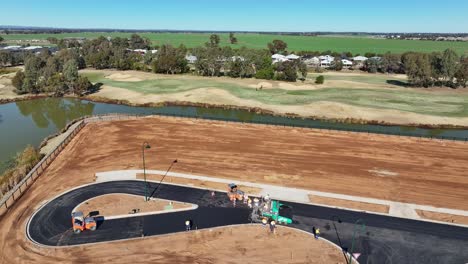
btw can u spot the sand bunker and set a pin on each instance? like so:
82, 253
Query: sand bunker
122, 77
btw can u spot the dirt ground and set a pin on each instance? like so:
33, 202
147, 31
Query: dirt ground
370, 207
427, 172
449, 218
199, 183
123, 204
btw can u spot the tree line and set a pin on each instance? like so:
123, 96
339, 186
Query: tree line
58, 74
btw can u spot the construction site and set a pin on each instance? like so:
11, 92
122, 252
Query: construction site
214, 189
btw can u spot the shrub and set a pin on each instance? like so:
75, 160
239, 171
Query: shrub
266, 74
320, 79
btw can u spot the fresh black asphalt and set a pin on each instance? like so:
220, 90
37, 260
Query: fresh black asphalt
383, 239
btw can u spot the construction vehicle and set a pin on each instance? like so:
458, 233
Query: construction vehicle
234, 193
81, 223
269, 210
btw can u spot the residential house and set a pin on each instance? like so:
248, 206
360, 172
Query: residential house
191, 59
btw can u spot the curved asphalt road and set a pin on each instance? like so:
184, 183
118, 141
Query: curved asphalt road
384, 240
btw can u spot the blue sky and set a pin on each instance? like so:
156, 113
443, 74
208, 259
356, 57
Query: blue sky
249, 15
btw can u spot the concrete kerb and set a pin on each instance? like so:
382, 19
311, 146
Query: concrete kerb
305, 200
174, 233
134, 215
192, 207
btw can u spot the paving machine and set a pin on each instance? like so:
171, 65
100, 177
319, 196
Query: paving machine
269, 210
81, 223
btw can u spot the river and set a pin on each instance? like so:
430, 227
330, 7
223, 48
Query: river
29, 122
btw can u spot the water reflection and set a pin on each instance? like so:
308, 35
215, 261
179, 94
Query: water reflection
55, 110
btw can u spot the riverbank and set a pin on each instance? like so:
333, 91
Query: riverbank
266, 97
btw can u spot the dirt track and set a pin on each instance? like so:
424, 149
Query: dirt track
386, 167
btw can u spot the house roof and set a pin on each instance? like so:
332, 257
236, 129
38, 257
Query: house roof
360, 58
292, 57
346, 62
277, 56
32, 47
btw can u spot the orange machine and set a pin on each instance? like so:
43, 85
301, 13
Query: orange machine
233, 193
81, 223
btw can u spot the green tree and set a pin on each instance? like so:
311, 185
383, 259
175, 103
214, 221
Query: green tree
320, 79
170, 60
418, 69
391, 63
449, 65
277, 46
70, 74
462, 74
303, 70
83, 86
1, 38
137, 42
214, 41
232, 38
18, 81
286, 71
52, 40
32, 72
372, 65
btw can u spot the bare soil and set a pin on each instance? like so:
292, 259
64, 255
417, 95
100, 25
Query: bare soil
199, 183
363, 206
444, 217
429, 172
123, 204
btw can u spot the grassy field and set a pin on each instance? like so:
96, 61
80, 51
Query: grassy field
411, 100
355, 45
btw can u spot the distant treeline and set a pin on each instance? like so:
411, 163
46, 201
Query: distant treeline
58, 73
42, 30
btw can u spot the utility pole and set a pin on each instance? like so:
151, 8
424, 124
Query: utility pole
358, 223
145, 146
335, 218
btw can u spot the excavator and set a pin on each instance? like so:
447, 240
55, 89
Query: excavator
81, 223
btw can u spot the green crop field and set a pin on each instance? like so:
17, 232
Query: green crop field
356, 45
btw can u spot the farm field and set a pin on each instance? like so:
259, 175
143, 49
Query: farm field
356, 45
353, 94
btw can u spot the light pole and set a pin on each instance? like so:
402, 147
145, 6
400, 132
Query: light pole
145, 146
335, 218
358, 223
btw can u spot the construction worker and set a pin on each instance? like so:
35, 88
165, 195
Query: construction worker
316, 232
272, 227
256, 201
246, 198
264, 221
187, 225
249, 203
212, 194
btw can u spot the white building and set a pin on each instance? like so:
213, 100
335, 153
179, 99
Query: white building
326, 57
346, 63
140, 51
292, 57
191, 59
314, 61
240, 58
359, 59
12, 48
278, 58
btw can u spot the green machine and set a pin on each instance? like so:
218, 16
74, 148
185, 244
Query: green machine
270, 209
